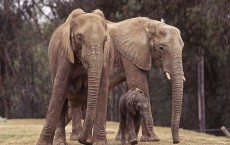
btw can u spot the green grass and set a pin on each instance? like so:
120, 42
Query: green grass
27, 131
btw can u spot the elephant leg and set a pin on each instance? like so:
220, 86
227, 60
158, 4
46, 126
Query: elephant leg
76, 123
118, 134
60, 134
56, 104
145, 137
137, 78
130, 128
137, 124
99, 133
68, 115
122, 129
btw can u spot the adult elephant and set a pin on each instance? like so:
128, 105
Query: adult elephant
137, 44
78, 54
141, 42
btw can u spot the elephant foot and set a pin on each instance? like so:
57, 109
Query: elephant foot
100, 143
133, 139
60, 140
74, 136
84, 140
133, 142
176, 140
44, 140
118, 137
85, 137
61, 143
152, 138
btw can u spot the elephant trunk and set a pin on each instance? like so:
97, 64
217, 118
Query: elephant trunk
146, 120
95, 66
177, 95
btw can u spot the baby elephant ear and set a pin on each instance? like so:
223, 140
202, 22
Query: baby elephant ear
130, 103
98, 12
66, 34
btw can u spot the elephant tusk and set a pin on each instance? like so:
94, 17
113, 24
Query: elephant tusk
184, 79
168, 76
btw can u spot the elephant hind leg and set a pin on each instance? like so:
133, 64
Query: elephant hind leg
137, 78
118, 134
122, 129
134, 142
76, 123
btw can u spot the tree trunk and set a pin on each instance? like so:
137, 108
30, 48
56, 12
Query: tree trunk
201, 97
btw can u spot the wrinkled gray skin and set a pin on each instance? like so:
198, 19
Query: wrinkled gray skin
76, 125
136, 44
139, 43
77, 54
133, 106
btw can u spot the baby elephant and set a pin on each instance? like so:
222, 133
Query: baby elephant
133, 107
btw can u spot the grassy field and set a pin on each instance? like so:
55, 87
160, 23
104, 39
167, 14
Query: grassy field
26, 132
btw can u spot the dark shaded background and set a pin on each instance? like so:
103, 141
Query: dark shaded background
26, 27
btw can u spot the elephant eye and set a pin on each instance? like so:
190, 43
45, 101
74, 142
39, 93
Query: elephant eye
79, 38
161, 48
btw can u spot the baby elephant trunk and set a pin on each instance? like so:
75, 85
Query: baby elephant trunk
146, 118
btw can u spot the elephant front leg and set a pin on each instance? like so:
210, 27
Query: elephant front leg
146, 137
76, 123
130, 128
137, 124
47, 134
137, 78
56, 104
60, 134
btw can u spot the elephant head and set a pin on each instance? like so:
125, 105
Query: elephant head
137, 102
146, 41
166, 41
85, 40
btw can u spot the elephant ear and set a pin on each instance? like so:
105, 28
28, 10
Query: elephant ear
134, 46
130, 103
108, 54
98, 12
66, 34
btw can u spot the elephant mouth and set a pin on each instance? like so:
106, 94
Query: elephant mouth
158, 63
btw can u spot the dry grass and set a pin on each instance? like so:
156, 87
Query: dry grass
26, 132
